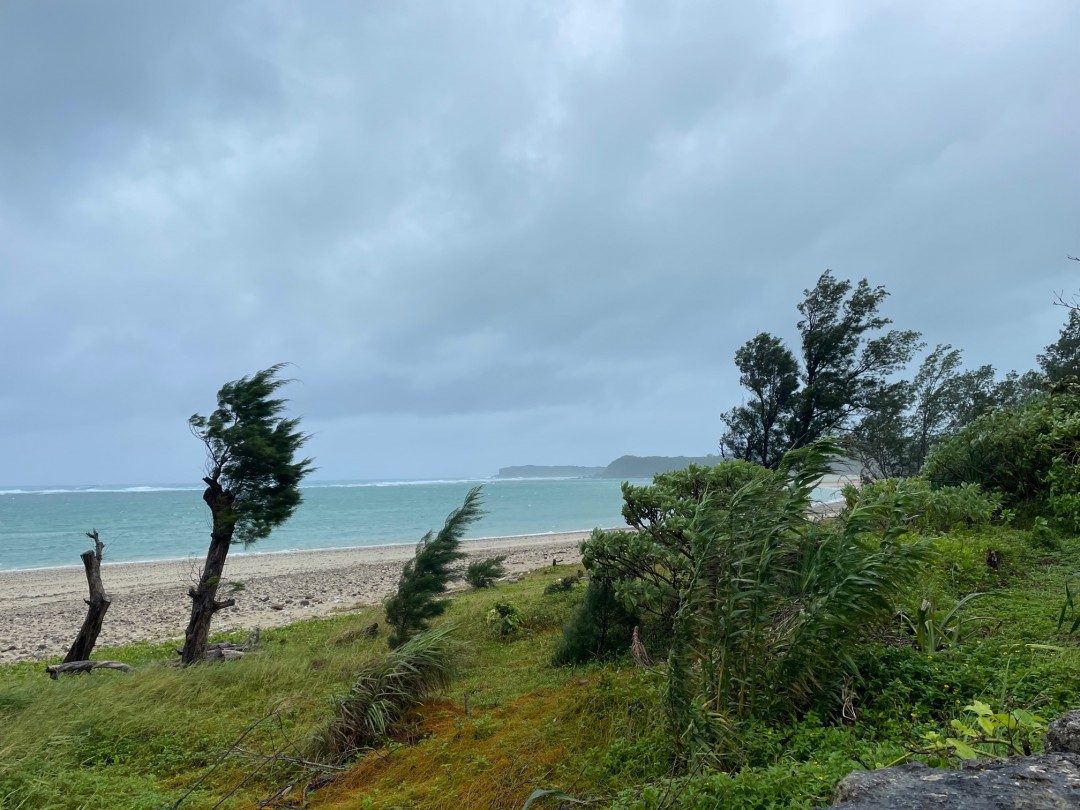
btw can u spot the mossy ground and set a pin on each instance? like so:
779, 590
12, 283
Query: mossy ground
141, 740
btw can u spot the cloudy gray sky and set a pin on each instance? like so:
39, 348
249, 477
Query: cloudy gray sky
492, 233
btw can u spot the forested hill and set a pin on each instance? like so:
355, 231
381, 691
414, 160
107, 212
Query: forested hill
541, 471
622, 467
648, 466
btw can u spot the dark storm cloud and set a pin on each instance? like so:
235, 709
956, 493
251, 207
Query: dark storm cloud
547, 225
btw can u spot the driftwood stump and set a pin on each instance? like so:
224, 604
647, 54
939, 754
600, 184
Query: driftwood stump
98, 603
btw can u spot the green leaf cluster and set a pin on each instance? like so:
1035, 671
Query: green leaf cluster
928, 509
982, 732
1030, 455
253, 475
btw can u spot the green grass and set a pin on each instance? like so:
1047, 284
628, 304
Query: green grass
142, 739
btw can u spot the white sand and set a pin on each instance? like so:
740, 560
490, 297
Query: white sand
41, 611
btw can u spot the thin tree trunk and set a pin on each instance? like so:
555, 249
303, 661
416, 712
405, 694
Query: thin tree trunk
204, 602
97, 604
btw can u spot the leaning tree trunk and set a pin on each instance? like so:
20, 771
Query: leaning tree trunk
204, 602
97, 604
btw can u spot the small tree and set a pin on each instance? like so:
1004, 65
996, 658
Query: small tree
426, 575
252, 483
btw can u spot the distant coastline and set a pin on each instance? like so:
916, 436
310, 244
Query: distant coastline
623, 468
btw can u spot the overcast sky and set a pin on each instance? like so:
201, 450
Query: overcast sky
493, 233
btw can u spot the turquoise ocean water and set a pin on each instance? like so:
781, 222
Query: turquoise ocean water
44, 528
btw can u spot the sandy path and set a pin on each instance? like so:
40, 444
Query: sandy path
41, 611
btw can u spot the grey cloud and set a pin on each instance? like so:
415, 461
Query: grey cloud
479, 214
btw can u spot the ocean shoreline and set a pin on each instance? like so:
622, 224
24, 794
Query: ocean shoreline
42, 609
235, 555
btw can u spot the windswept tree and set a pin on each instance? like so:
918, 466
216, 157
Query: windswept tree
427, 574
252, 483
770, 372
909, 417
846, 361
1060, 361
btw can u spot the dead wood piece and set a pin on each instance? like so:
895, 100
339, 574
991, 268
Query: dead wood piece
56, 670
97, 604
638, 651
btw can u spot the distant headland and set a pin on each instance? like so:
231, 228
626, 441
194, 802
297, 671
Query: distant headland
623, 467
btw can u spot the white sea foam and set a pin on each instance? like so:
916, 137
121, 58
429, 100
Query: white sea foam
99, 490
362, 484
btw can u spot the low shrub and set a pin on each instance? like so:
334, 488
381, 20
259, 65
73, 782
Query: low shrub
505, 619
483, 573
600, 628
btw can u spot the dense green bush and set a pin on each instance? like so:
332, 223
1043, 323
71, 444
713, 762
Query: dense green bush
505, 619
652, 564
765, 604
1029, 455
926, 509
600, 628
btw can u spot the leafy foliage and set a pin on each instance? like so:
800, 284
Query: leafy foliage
1060, 361
427, 574
386, 690
483, 573
765, 604
251, 453
505, 618
649, 566
770, 372
932, 631
600, 628
1029, 454
907, 418
844, 369
927, 509
982, 732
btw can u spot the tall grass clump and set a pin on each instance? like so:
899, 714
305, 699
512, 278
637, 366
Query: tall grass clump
386, 691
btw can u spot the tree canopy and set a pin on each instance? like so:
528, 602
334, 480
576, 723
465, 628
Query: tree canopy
844, 366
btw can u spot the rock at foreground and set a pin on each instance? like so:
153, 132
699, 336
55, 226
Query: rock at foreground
1049, 781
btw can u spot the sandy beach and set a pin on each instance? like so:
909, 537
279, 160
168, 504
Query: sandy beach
41, 611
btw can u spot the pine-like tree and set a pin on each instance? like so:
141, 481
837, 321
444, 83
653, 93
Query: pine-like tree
426, 575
